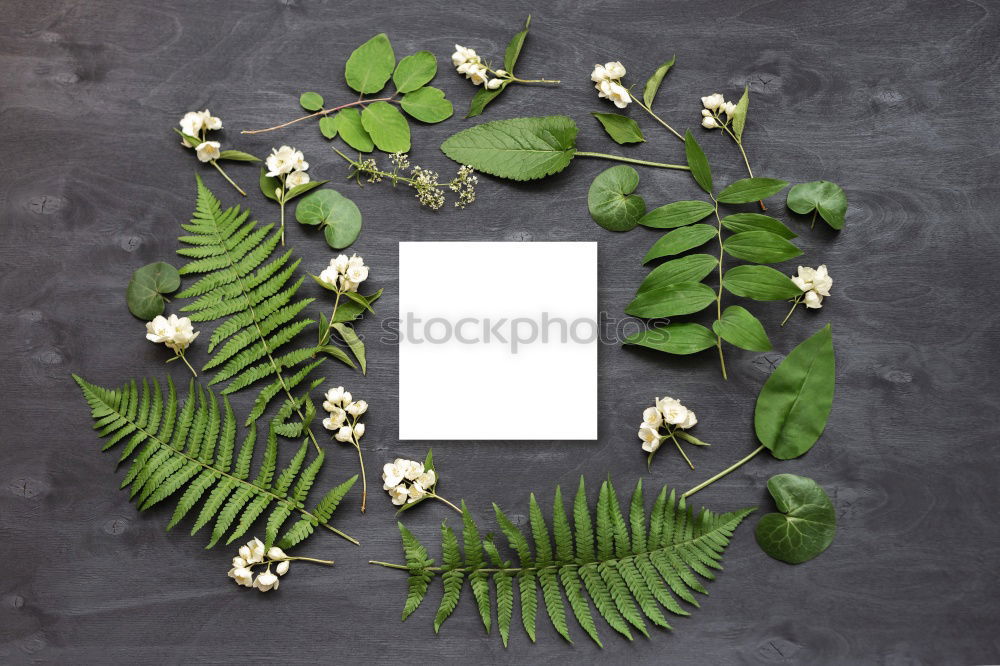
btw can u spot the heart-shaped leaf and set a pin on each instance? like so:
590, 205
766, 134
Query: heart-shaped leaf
692, 268
684, 338
519, 148
807, 522
353, 132
738, 327
678, 298
761, 247
757, 222
370, 65
827, 198
680, 240
621, 129
145, 291
427, 104
414, 71
654, 81
387, 127
339, 217
677, 214
750, 189
696, 159
610, 199
794, 404
311, 101
761, 283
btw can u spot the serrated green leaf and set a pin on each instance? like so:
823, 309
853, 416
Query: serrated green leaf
387, 127
827, 198
621, 129
519, 148
761, 247
427, 104
677, 214
414, 71
756, 222
700, 170
738, 327
807, 522
353, 132
682, 338
370, 65
750, 189
611, 202
761, 283
680, 240
653, 82
311, 101
671, 300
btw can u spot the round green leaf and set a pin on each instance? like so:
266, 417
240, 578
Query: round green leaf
427, 104
827, 198
685, 338
794, 404
680, 240
761, 283
370, 65
311, 101
328, 126
751, 189
352, 131
692, 268
387, 127
338, 215
145, 291
414, 71
677, 214
610, 199
761, 247
671, 300
738, 327
519, 148
807, 522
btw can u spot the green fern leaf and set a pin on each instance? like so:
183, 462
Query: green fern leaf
628, 569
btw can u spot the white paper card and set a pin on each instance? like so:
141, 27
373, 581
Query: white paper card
498, 341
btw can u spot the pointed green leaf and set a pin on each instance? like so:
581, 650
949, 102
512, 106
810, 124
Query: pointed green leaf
738, 327
680, 240
483, 97
751, 189
621, 129
682, 338
237, 156
740, 114
761, 283
678, 298
677, 214
653, 82
761, 247
692, 268
756, 222
513, 51
700, 170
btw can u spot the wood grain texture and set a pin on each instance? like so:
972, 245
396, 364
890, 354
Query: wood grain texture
894, 100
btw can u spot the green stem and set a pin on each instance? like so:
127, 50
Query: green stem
445, 501
183, 358
619, 158
746, 160
282, 202
290, 558
795, 304
517, 80
655, 117
679, 448
721, 474
224, 175
321, 112
718, 294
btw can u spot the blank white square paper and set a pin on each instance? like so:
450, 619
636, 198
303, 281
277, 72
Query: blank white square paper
498, 341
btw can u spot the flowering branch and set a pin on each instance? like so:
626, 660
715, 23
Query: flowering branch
732, 124
345, 414
670, 414
429, 191
193, 133
410, 482
177, 333
252, 555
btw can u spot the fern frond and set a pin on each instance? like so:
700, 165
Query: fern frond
627, 568
255, 291
192, 448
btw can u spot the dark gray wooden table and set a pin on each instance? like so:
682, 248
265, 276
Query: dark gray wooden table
894, 100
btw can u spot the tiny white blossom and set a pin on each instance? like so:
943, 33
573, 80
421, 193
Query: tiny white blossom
296, 178
275, 553
705, 113
615, 70
478, 75
340, 263
256, 547
175, 332
266, 581
651, 416
729, 108
208, 151
282, 160
282, 568
814, 282
357, 274
689, 422
239, 562
709, 123
650, 438
357, 408
191, 125
242, 576
614, 92
392, 475
713, 101
463, 55
416, 492
493, 84
329, 276
501, 72
411, 468
208, 121
344, 434
399, 494
334, 396
359, 430
674, 413
599, 74
427, 479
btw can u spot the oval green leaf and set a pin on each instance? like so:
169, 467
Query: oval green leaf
414, 71
269, 185
740, 328
751, 189
237, 156
370, 65
610, 199
328, 126
145, 291
311, 101
677, 214
807, 522
519, 148
353, 132
387, 127
684, 338
427, 104
338, 215
700, 170
757, 222
761, 247
827, 198
671, 300
653, 82
692, 268
794, 404
680, 240
761, 283
621, 129
483, 97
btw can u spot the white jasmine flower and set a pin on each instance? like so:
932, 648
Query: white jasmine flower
184, 333
239, 562
709, 123
399, 494
159, 330
729, 108
191, 125
650, 438
347, 285
266, 581
427, 479
713, 101
282, 568
415, 492
296, 178
242, 576
282, 160
340, 263
329, 276
358, 408
208, 121
359, 430
357, 274
814, 282
275, 553
208, 151
689, 422
599, 74
493, 84
256, 547
334, 396
651, 417
614, 92
411, 468
674, 413
392, 475
615, 70
478, 75
812, 300
355, 260
345, 434
336, 418
463, 55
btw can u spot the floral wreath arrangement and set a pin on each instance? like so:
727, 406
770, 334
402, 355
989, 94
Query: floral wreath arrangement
606, 553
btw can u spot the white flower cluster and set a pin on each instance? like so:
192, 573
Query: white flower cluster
815, 284
195, 124
667, 413
607, 80
288, 164
341, 404
175, 332
253, 554
407, 481
344, 274
715, 105
469, 64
